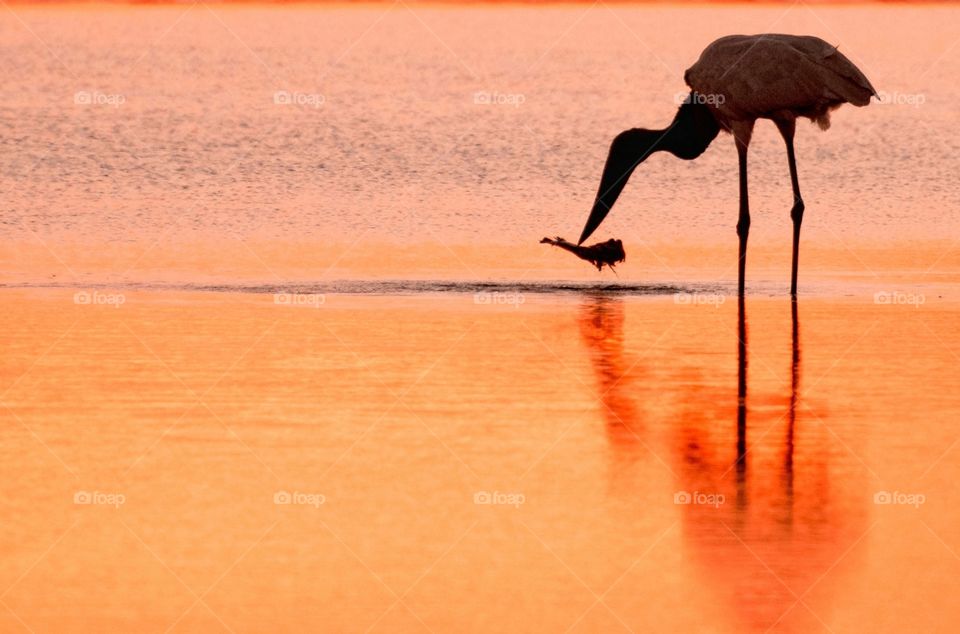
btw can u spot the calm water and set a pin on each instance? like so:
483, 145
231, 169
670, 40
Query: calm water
303, 367
598, 410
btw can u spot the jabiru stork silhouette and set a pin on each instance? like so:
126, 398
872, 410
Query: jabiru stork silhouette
737, 80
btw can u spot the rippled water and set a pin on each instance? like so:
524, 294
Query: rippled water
388, 166
306, 368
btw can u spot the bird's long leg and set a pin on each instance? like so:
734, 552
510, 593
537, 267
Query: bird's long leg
787, 129
741, 135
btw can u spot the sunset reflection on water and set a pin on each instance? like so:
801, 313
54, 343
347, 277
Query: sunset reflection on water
399, 411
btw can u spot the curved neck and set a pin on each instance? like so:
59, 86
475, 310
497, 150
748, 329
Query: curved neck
692, 130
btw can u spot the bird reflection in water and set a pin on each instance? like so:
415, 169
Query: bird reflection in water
788, 447
775, 542
766, 543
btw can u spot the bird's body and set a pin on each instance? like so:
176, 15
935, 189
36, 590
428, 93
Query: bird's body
737, 80
775, 76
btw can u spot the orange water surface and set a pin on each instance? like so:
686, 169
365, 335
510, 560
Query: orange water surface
583, 416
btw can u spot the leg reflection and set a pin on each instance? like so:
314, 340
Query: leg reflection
792, 412
741, 469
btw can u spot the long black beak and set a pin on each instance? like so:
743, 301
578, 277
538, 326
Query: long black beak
628, 150
599, 212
